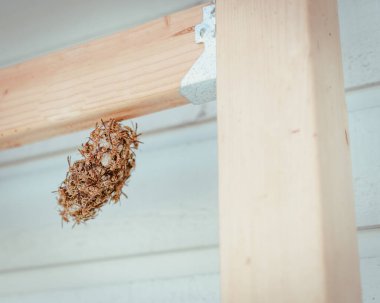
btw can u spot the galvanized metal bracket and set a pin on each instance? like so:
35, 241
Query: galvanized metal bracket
199, 84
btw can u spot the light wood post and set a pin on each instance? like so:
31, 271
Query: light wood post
287, 226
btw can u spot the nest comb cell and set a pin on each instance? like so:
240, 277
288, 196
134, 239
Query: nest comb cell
108, 159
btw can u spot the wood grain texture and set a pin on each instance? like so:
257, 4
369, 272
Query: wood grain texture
287, 226
124, 75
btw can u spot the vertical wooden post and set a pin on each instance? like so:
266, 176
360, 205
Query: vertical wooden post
287, 223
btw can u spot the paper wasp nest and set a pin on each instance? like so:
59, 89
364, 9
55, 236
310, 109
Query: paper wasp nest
108, 159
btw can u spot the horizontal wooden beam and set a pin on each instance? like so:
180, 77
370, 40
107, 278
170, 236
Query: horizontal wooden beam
127, 74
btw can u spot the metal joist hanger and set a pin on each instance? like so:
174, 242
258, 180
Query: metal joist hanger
199, 84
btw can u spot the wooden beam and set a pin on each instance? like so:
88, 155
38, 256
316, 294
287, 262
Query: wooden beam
286, 201
124, 75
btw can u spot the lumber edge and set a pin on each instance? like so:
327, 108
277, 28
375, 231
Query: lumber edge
124, 75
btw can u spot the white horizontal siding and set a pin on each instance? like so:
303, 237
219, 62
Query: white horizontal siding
172, 205
370, 275
111, 271
369, 247
360, 40
188, 289
160, 245
166, 232
364, 123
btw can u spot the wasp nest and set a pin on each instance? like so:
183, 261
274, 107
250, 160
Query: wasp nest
107, 163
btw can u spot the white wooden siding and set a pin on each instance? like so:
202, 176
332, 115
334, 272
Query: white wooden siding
360, 36
161, 245
364, 123
189, 289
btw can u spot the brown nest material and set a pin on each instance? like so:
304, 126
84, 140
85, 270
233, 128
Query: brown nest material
98, 178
